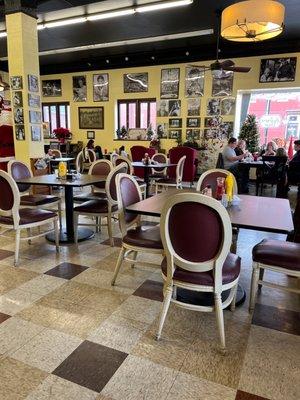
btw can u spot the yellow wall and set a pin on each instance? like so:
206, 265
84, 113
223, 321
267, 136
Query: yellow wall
105, 137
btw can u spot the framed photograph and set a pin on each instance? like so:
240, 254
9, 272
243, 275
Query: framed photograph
228, 106
17, 99
91, 117
90, 135
193, 106
35, 117
51, 88
169, 83
33, 83
226, 130
79, 88
192, 135
162, 108
20, 132
18, 116
135, 83
16, 83
193, 122
34, 100
212, 122
223, 86
278, 69
211, 133
174, 108
36, 133
194, 82
175, 134
213, 106
100, 87
162, 131
175, 123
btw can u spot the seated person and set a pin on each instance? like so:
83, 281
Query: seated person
122, 152
240, 148
281, 152
293, 171
270, 150
99, 154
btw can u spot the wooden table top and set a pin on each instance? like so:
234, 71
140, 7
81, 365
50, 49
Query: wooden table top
139, 164
258, 213
52, 180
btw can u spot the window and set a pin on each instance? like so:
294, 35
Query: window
138, 113
57, 115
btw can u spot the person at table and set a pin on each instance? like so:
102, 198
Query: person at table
122, 152
231, 163
270, 150
90, 144
293, 171
99, 154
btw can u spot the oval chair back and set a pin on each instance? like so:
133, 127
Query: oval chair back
100, 167
81, 159
161, 158
179, 170
120, 159
56, 153
19, 170
10, 198
111, 184
128, 192
210, 178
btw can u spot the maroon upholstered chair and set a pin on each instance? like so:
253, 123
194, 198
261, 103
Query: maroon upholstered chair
210, 178
141, 238
189, 170
137, 154
141, 183
276, 256
196, 235
14, 218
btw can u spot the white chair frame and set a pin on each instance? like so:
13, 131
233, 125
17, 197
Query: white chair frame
44, 206
14, 213
126, 249
130, 172
154, 171
83, 168
179, 174
213, 171
215, 265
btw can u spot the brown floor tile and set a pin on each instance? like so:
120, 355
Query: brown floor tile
91, 365
5, 254
66, 270
150, 290
3, 317
277, 318
248, 396
117, 242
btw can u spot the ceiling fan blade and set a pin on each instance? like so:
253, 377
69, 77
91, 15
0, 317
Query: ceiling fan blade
238, 69
226, 63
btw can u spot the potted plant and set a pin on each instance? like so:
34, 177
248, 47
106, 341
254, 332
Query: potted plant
62, 134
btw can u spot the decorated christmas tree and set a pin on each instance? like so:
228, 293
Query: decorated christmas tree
250, 133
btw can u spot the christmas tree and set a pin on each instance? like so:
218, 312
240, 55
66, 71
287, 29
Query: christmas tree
250, 133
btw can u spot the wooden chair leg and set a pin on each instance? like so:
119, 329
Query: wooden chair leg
17, 246
254, 284
165, 307
56, 232
59, 214
220, 320
261, 277
118, 265
76, 217
134, 256
109, 229
232, 304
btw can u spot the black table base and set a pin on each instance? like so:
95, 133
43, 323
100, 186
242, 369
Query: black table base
64, 238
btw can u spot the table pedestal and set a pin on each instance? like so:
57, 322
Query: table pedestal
64, 238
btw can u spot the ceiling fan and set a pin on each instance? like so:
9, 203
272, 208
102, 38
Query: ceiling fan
221, 69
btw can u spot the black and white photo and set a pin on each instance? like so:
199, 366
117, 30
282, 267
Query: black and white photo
194, 81
90, 135
228, 106
18, 116
36, 133
162, 131
51, 88
193, 122
192, 135
34, 100
193, 107
278, 69
20, 132
91, 117
226, 130
213, 107
17, 98
33, 83
175, 123
35, 117
174, 108
100, 87
169, 83
79, 88
162, 108
212, 122
211, 133
16, 82
136, 82
174, 134
223, 86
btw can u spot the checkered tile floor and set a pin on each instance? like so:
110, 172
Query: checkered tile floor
65, 333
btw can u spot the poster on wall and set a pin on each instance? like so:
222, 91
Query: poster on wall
194, 81
33, 83
174, 108
135, 83
36, 133
162, 131
91, 117
228, 106
277, 69
79, 88
51, 88
193, 106
100, 87
169, 83
223, 86
20, 132
35, 117
17, 99
16, 82
18, 116
213, 107
34, 100
162, 108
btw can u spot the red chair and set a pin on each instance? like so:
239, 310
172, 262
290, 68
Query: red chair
190, 164
137, 154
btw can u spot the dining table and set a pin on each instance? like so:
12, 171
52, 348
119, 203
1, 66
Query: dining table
66, 235
147, 168
56, 160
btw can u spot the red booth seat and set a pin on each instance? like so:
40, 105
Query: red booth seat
190, 164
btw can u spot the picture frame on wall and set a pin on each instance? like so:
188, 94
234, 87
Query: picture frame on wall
213, 122
135, 82
90, 135
100, 87
193, 134
33, 83
175, 123
79, 88
16, 82
174, 108
34, 100
278, 69
35, 117
193, 122
175, 134
169, 83
17, 98
18, 116
36, 133
162, 131
20, 132
228, 106
194, 82
213, 107
91, 117
193, 106
162, 108
223, 86
51, 88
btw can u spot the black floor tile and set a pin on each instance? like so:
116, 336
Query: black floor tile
248, 396
5, 254
3, 317
150, 290
66, 270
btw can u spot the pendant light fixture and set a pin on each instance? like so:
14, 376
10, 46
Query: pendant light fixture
252, 20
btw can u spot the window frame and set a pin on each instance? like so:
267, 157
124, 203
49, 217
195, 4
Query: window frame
138, 103
57, 106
